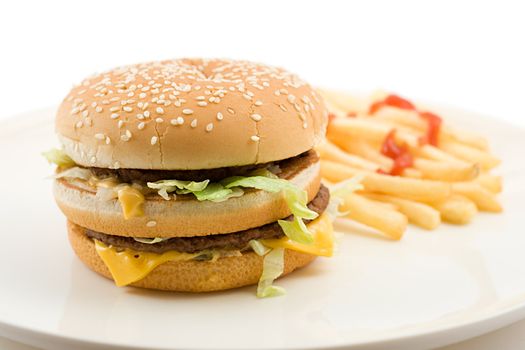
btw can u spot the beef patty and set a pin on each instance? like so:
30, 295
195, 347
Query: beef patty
217, 174
229, 241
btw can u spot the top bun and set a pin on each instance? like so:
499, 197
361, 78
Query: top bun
190, 114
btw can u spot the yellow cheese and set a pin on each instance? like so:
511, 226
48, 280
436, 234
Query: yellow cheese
323, 244
131, 201
128, 266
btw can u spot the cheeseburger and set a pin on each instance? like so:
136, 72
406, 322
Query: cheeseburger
193, 174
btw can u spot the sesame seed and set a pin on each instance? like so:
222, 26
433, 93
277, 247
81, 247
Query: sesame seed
114, 109
297, 107
256, 117
141, 125
88, 121
79, 124
193, 123
142, 95
154, 140
98, 109
114, 115
202, 103
283, 108
93, 159
127, 109
151, 223
160, 110
247, 97
209, 127
291, 98
100, 136
200, 98
85, 113
255, 138
146, 114
258, 103
230, 110
120, 124
220, 116
187, 111
305, 125
108, 140
180, 120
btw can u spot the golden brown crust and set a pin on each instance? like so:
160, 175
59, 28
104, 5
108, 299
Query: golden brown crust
190, 114
182, 218
189, 276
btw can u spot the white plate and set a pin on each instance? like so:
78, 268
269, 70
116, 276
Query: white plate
429, 290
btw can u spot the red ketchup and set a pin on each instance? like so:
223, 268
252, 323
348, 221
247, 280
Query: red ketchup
392, 101
400, 154
433, 121
433, 128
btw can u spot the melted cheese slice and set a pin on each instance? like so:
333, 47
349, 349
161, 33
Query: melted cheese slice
131, 201
128, 266
323, 244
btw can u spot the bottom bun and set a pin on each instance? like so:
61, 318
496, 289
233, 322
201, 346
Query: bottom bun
190, 276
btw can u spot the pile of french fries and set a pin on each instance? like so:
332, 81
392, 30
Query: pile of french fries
448, 182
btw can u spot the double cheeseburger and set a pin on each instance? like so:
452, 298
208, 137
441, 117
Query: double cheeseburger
193, 174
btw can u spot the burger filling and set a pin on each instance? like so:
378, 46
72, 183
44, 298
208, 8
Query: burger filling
130, 259
237, 241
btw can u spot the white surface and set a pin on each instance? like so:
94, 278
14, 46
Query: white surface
430, 289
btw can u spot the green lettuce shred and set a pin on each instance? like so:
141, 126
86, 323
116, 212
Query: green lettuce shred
339, 191
59, 157
296, 230
150, 240
273, 267
296, 198
258, 247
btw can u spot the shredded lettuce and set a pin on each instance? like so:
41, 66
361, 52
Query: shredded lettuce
178, 186
59, 157
74, 173
262, 179
273, 267
296, 230
150, 240
339, 191
258, 247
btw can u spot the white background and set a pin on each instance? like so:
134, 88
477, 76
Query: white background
469, 54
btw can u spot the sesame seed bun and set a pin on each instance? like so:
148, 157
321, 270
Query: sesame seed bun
189, 276
183, 218
190, 114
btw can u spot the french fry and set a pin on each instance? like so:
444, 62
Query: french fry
362, 149
493, 183
344, 101
368, 212
412, 119
446, 171
483, 198
456, 209
416, 189
367, 151
328, 150
486, 161
419, 214
434, 153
